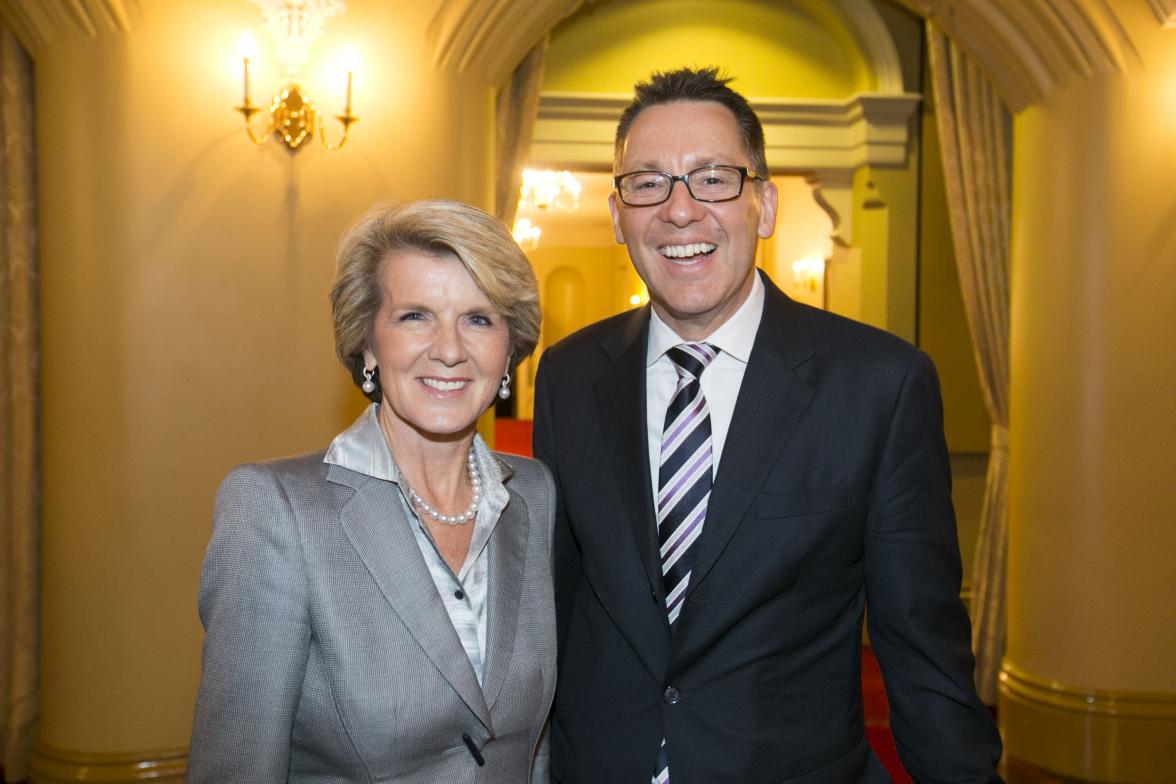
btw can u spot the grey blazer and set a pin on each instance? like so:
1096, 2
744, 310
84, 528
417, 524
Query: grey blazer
328, 654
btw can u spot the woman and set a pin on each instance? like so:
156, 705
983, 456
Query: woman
382, 612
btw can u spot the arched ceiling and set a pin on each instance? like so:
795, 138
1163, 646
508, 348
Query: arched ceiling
1028, 47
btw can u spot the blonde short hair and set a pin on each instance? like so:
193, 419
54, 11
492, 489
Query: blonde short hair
478, 240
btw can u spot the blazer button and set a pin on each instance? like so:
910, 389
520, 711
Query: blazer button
672, 696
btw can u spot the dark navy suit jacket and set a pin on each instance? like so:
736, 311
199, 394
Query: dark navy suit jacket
833, 496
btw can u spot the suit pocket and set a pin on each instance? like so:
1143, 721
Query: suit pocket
854, 766
806, 501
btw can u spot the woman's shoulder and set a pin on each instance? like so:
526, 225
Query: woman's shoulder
286, 472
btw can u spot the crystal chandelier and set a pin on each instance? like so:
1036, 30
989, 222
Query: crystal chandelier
550, 190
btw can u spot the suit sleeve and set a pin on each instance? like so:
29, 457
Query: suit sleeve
564, 550
918, 626
254, 607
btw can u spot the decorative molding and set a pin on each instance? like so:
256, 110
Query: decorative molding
576, 130
1029, 48
48, 765
864, 21
1165, 11
37, 23
491, 37
1092, 734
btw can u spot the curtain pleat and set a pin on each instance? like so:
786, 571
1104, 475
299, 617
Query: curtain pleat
976, 140
515, 110
19, 439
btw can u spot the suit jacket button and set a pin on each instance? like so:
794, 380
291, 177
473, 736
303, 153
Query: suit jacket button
672, 696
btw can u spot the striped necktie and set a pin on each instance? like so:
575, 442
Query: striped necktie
684, 485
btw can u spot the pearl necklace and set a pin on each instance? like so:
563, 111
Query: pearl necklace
471, 511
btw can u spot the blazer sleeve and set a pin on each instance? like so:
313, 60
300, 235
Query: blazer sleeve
255, 610
918, 626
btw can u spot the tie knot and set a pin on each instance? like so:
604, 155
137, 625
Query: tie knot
692, 358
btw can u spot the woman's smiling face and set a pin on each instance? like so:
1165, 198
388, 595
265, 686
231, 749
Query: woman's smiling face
440, 345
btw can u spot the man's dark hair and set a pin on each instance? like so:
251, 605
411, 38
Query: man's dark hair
689, 84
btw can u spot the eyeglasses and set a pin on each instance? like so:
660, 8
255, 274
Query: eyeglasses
707, 183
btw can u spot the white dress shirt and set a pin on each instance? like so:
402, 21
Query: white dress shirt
720, 383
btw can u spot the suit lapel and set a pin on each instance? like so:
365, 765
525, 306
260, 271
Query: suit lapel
508, 555
772, 399
375, 523
620, 402
630, 571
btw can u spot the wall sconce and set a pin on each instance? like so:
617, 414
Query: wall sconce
526, 234
809, 273
292, 117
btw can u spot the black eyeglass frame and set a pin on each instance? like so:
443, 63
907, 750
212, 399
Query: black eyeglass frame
744, 175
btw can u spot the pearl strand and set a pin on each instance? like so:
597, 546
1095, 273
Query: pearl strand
471, 511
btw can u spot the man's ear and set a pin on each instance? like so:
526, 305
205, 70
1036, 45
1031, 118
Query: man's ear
769, 199
614, 209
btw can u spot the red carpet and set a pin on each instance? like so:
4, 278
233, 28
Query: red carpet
514, 436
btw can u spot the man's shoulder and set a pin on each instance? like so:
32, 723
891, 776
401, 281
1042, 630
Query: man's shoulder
595, 338
845, 337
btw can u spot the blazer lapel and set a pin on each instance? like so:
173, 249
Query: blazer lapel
508, 556
375, 523
772, 399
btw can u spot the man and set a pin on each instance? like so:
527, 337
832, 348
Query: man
740, 477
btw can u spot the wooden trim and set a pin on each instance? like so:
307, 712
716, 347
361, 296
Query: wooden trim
48, 765
1104, 735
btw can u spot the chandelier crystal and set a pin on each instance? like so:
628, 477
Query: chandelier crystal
295, 25
550, 190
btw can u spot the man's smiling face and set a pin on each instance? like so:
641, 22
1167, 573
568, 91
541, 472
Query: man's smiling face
696, 258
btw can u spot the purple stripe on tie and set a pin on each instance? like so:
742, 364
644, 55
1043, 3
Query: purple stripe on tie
693, 527
687, 475
700, 351
673, 506
695, 410
674, 601
686, 478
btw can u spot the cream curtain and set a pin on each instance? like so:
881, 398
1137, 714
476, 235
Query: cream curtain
19, 470
976, 135
515, 110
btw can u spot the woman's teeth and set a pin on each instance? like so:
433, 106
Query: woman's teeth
443, 386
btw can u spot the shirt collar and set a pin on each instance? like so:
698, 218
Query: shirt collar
734, 337
362, 448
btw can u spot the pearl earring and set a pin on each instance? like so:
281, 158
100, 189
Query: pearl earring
504, 388
368, 386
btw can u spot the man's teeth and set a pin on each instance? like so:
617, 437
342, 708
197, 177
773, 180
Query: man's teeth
685, 251
444, 386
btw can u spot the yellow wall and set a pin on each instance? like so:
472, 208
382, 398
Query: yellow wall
184, 275
1092, 415
792, 48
